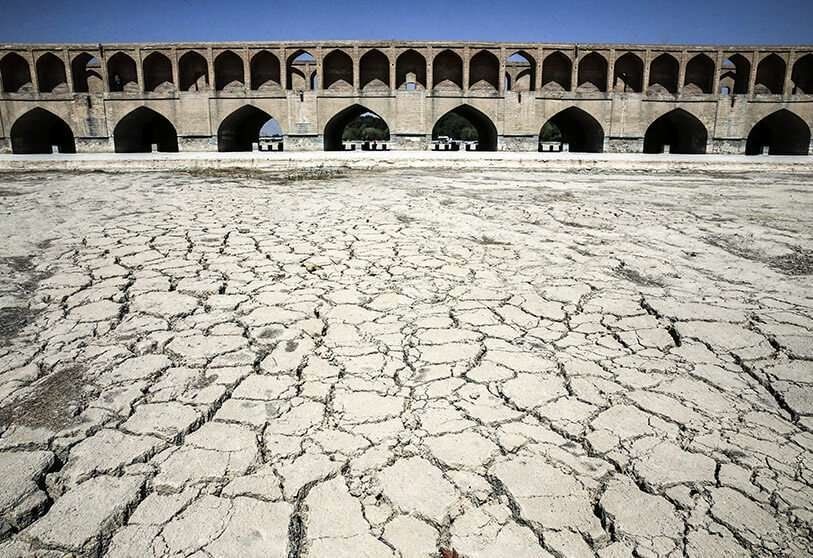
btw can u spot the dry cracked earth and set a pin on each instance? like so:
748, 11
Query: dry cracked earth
391, 363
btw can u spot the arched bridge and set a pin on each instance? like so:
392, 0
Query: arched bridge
208, 97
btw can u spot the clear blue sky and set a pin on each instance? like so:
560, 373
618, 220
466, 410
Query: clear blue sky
655, 21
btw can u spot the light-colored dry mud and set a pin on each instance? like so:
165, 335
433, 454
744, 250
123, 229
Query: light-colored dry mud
384, 364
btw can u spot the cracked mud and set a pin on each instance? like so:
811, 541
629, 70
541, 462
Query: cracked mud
506, 363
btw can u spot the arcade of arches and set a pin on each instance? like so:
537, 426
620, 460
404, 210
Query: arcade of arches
627, 98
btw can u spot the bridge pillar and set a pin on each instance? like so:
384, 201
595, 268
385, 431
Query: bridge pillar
409, 142
623, 145
524, 143
5, 146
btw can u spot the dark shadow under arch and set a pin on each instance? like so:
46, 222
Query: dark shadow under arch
38, 130
141, 129
486, 131
681, 131
579, 130
241, 128
782, 132
334, 129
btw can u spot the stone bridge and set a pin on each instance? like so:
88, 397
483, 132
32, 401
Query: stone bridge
602, 97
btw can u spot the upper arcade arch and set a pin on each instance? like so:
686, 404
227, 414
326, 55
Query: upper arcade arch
629, 74
265, 71
447, 71
230, 75
592, 75
770, 76
802, 76
51, 76
782, 133
374, 71
484, 71
87, 74
734, 75
193, 72
143, 128
299, 68
39, 131
410, 70
699, 75
122, 74
663, 74
158, 73
337, 70
681, 131
557, 72
15, 73
521, 72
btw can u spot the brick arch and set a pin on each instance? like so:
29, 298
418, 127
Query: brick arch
332, 133
15, 73
157, 71
337, 70
122, 74
240, 128
487, 134
374, 70
580, 129
783, 132
684, 132
142, 127
36, 130
447, 70
265, 71
51, 75
557, 72
410, 64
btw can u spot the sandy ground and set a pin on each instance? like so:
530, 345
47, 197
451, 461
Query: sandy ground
347, 364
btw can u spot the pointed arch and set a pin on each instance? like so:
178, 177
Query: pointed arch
87, 74
486, 130
38, 130
298, 67
680, 130
142, 128
241, 128
663, 74
699, 75
802, 75
229, 71
51, 75
735, 74
592, 74
484, 71
629, 74
15, 73
520, 72
447, 71
193, 72
579, 129
410, 68
334, 128
770, 76
121, 72
157, 72
782, 132
337, 69
265, 71
557, 72
374, 70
